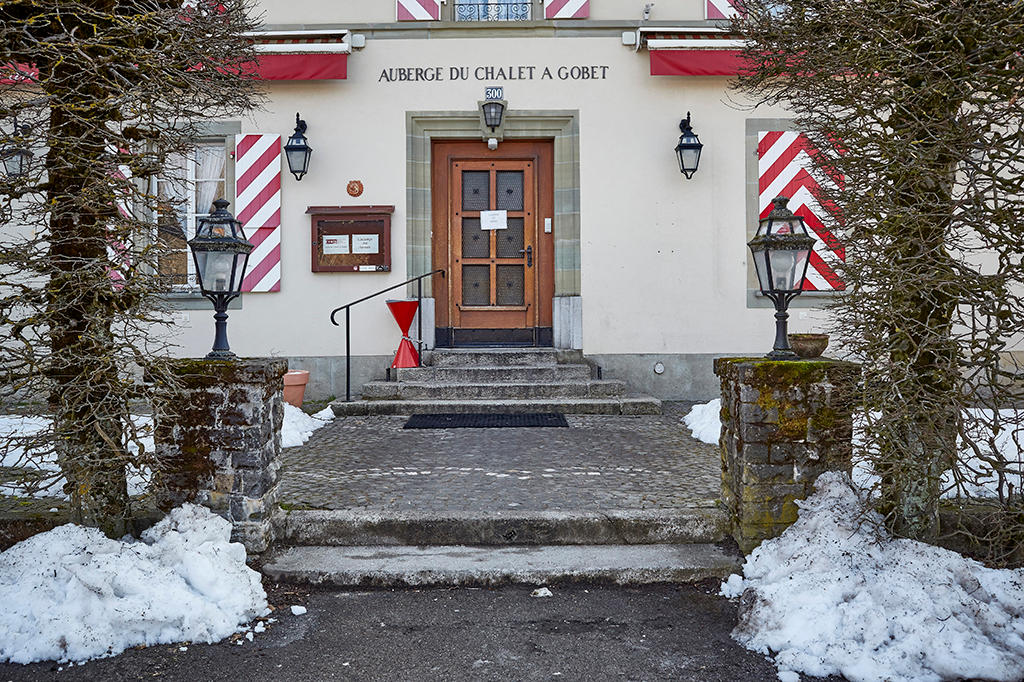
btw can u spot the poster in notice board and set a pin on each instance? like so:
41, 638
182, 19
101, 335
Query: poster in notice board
350, 238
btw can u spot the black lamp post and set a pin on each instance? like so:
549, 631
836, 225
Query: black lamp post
688, 149
15, 157
297, 150
781, 249
221, 254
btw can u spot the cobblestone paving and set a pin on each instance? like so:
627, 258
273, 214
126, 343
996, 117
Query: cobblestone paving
599, 463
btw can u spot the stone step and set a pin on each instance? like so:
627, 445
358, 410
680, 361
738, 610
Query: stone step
702, 522
460, 565
494, 357
617, 405
482, 375
403, 390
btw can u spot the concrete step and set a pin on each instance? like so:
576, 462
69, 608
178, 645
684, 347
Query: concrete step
403, 390
459, 565
703, 522
614, 405
493, 357
482, 375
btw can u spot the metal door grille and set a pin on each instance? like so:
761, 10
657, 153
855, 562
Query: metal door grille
510, 240
476, 285
476, 194
476, 243
510, 285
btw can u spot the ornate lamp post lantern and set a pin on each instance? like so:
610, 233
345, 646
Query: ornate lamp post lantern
297, 150
221, 254
689, 148
781, 249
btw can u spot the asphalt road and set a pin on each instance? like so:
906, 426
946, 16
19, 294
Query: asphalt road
581, 632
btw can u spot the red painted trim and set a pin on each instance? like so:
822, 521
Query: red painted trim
300, 67
695, 62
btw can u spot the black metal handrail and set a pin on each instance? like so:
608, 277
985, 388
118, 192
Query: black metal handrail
348, 337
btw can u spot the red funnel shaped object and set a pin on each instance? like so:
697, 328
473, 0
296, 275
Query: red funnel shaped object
406, 355
403, 312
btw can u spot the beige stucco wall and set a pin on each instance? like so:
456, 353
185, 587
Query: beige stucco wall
663, 258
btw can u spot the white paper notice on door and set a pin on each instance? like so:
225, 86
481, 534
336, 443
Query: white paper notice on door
365, 243
493, 220
335, 244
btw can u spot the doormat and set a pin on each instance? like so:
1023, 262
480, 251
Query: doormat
484, 421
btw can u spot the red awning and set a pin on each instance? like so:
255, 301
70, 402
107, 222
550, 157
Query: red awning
695, 62
302, 67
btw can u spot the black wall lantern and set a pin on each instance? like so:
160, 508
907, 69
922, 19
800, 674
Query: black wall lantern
221, 254
688, 149
16, 157
493, 111
781, 249
297, 150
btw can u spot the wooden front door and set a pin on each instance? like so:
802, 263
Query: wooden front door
491, 236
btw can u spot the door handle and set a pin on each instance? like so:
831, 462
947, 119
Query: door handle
529, 255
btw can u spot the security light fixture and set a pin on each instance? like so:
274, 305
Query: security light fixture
688, 149
221, 254
781, 249
297, 150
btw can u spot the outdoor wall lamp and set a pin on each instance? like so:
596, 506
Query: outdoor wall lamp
297, 150
688, 149
781, 249
16, 157
492, 115
221, 254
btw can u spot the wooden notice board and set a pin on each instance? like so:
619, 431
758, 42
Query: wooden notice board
350, 238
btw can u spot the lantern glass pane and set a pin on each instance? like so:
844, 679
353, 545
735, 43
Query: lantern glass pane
492, 114
215, 269
761, 265
238, 272
689, 158
15, 163
298, 159
784, 268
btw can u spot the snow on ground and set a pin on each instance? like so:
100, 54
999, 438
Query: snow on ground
299, 426
72, 594
704, 422
829, 596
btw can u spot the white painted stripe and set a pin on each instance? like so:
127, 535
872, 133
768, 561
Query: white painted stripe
570, 9
259, 183
417, 10
723, 6
265, 212
263, 142
773, 153
268, 280
779, 183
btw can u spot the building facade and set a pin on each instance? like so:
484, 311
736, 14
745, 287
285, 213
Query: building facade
567, 225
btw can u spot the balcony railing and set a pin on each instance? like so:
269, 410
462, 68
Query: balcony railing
493, 11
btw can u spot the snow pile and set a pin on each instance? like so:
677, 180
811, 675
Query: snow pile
832, 597
703, 421
299, 426
74, 594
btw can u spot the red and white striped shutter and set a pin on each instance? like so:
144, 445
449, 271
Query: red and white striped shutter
566, 9
418, 10
719, 9
784, 168
258, 207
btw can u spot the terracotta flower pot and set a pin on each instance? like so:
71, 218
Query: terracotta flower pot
808, 345
295, 381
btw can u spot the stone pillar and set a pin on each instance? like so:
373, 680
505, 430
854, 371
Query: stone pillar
783, 423
219, 442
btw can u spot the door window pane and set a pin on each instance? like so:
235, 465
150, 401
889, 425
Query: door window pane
476, 190
476, 285
476, 243
510, 285
510, 190
510, 240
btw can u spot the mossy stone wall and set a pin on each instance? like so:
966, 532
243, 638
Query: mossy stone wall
783, 423
220, 444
